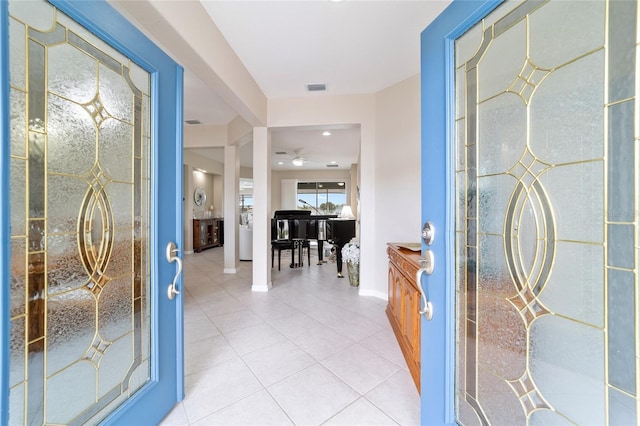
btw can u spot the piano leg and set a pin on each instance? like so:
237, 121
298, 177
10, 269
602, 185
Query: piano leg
320, 242
300, 253
339, 258
293, 254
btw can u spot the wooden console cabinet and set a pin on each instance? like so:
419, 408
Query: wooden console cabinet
207, 233
404, 305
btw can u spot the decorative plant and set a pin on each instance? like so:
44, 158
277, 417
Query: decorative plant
351, 252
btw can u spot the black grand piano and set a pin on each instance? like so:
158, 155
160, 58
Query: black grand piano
292, 229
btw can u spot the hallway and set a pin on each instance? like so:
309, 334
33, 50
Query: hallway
308, 352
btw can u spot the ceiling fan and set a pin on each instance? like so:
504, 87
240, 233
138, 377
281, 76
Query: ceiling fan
298, 160
296, 157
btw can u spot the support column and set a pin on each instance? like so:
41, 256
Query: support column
231, 212
187, 244
261, 209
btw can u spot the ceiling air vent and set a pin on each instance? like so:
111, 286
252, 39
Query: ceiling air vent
192, 121
316, 87
281, 152
332, 165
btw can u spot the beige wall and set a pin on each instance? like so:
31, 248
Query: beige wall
196, 161
246, 172
237, 131
203, 136
206, 181
397, 176
218, 195
215, 188
192, 162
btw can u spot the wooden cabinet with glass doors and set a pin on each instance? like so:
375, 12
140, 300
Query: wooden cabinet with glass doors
207, 233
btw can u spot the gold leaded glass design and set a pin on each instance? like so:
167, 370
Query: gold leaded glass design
79, 221
547, 215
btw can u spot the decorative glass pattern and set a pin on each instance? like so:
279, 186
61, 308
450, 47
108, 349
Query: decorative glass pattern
547, 218
80, 320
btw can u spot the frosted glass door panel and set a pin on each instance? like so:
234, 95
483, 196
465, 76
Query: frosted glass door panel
546, 216
80, 221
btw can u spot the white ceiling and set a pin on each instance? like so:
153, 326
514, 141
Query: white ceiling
353, 46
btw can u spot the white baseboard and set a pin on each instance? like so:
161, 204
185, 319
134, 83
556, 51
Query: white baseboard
230, 270
261, 288
372, 293
188, 252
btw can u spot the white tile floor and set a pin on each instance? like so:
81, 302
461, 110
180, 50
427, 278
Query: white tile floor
308, 352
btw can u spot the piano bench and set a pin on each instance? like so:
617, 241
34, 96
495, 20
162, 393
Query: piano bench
280, 245
288, 245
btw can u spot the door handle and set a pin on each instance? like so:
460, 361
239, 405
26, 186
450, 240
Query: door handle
427, 311
428, 264
172, 251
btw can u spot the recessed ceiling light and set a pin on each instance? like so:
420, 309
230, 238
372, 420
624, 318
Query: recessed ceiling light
298, 162
280, 163
340, 183
326, 133
334, 162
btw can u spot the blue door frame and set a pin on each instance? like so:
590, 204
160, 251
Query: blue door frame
5, 213
166, 387
438, 201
